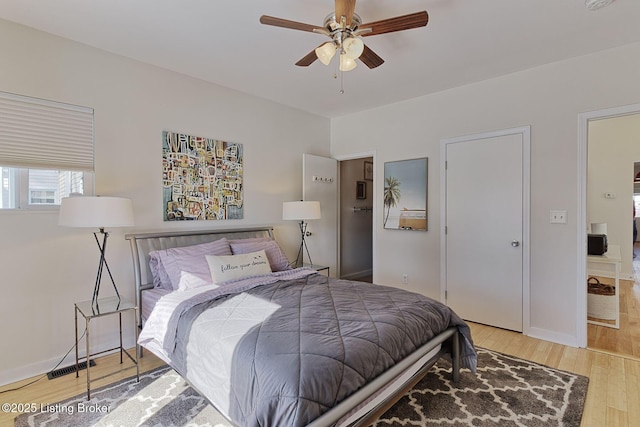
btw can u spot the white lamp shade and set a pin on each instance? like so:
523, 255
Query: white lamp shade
599, 228
353, 47
325, 52
300, 211
346, 63
95, 211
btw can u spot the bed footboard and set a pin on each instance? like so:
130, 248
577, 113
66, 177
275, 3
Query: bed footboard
455, 356
451, 340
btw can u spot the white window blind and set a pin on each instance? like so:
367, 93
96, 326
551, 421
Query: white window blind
36, 133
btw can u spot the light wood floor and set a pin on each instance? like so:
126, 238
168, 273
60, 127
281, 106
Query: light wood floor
614, 388
626, 340
47, 391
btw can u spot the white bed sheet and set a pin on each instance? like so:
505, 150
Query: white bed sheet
149, 299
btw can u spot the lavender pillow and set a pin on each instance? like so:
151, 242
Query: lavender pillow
276, 257
187, 267
158, 273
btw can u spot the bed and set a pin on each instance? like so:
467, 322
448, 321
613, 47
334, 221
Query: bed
289, 347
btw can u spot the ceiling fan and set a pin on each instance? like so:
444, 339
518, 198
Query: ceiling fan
345, 29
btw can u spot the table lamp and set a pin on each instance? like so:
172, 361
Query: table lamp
301, 211
97, 212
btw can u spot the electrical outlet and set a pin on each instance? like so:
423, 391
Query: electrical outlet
558, 217
405, 279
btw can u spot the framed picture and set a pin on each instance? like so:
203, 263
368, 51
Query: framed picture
361, 190
405, 195
202, 178
368, 171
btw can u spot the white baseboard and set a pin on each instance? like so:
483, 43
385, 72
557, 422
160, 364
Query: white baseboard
45, 366
34, 369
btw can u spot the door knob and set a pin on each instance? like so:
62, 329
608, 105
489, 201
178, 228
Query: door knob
515, 243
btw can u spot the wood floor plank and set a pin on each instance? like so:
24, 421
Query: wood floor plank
569, 359
597, 394
616, 385
616, 418
584, 362
555, 355
632, 370
541, 352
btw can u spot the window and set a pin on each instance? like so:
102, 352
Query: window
30, 188
46, 151
42, 197
636, 203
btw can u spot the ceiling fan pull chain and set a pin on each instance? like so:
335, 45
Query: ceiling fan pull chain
335, 76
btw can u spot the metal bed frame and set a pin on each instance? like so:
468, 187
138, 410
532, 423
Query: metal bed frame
447, 341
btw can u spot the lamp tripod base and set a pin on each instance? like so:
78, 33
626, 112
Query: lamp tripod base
101, 266
303, 246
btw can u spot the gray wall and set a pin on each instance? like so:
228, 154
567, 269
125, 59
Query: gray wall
550, 98
46, 268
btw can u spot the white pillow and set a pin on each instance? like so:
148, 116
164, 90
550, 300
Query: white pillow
233, 267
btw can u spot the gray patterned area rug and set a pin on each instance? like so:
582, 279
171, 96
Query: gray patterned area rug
506, 391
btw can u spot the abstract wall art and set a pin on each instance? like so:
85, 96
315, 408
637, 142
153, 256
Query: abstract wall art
202, 178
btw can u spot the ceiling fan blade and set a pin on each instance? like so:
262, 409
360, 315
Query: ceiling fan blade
345, 8
294, 25
399, 23
370, 58
308, 59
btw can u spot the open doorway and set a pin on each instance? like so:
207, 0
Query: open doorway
636, 217
611, 193
356, 219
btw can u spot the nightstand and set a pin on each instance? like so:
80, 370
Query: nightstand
318, 268
605, 308
105, 307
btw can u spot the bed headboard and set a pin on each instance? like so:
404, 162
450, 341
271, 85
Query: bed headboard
143, 243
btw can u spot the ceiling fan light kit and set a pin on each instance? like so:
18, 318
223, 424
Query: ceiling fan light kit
325, 52
346, 63
353, 47
345, 29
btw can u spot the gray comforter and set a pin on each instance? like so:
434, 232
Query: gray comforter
283, 353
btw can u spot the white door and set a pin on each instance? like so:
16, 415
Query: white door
320, 182
484, 234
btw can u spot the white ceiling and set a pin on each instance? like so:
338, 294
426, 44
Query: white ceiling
222, 41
